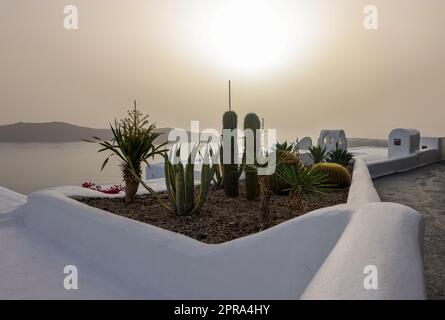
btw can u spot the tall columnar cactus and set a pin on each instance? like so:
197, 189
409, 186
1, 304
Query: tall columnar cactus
179, 179
230, 166
252, 122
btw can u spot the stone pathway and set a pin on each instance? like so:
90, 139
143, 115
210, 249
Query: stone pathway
423, 190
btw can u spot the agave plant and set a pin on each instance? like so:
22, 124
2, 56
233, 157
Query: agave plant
339, 156
302, 181
318, 154
291, 147
133, 143
217, 167
179, 179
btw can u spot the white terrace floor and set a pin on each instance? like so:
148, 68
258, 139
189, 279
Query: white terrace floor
31, 266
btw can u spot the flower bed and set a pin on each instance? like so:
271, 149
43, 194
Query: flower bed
221, 218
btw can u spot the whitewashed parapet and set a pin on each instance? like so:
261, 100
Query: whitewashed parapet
277, 263
384, 241
362, 188
418, 159
327, 247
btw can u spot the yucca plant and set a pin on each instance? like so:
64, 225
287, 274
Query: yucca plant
302, 181
318, 154
133, 143
339, 156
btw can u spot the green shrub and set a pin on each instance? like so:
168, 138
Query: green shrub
133, 143
302, 181
339, 156
286, 156
318, 154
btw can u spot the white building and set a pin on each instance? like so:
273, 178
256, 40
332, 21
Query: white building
403, 142
331, 138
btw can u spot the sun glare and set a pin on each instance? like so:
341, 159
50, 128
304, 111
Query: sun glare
249, 35
255, 35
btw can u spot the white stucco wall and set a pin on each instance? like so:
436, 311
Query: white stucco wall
386, 236
312, 257
331, 138
409, 141
385, 167
362, 188
275, 264
321, 255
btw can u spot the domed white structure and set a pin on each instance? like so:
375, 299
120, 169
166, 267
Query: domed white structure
331, 138
305, 143
403, 142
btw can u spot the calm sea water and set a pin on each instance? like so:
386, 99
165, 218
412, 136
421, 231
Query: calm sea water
28, 167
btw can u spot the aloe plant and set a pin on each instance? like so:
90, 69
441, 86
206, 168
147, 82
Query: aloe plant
217, 167
339, 156
179, 180
318, 154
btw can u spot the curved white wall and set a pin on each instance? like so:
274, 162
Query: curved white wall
384, 235
385, 167
320, 255
278, 263
362, 188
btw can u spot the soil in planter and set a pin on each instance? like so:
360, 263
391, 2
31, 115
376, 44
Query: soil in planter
221, 218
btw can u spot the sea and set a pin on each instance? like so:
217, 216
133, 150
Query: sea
28, 167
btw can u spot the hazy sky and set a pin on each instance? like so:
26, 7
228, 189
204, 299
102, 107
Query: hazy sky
302, 65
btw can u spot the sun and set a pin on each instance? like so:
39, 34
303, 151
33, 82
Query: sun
249, 35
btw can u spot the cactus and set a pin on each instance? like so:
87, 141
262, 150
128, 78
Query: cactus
179, 179
337, 175
252, 122
230, 170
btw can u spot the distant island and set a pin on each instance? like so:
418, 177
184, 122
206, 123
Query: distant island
22, 132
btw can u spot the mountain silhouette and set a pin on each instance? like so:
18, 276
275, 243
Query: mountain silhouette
57, 132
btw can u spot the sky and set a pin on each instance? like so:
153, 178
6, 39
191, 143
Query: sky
301, 65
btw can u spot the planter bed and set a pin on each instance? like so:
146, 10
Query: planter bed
221, 219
